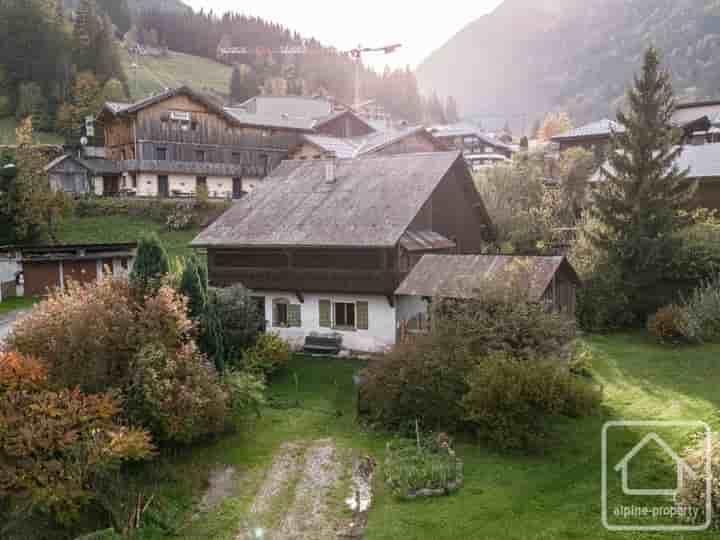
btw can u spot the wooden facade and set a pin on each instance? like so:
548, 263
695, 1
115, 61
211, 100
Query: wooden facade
70, 176
448, 212
345, 125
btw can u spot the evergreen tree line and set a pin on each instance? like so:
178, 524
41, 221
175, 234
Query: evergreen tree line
45, 53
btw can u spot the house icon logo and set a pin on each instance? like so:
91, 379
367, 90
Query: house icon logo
627, 505
683, 470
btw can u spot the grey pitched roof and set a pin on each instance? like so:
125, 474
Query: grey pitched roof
270, 120
467, 276
424, 241
600, 128
94, 165
345, 148
688, 112
298, 106
702, 161
466, 130
371, 203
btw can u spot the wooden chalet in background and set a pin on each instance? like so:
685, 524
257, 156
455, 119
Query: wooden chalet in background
479, 149
324, 244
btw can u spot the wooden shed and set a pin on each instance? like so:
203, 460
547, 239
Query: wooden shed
45, 268
549, 280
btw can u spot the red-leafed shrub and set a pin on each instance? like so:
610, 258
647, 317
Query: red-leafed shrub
667, 323
177, 394
55, 444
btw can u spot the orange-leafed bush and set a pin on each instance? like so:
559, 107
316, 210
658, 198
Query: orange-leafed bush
20, 373
177, 394
55, 444
88, 335
667, 323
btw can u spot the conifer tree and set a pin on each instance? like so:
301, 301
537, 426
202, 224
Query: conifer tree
639, 203
151, 264
194, 285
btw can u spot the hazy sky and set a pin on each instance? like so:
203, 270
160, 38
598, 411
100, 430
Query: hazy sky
420, 26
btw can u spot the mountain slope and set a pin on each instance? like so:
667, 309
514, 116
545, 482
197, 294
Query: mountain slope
137, 6
529, 56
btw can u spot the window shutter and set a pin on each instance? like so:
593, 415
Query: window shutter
294, 316
325, 308
363, 316
275, 313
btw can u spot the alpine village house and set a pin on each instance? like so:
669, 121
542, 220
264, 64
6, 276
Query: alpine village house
324, 244
170, 144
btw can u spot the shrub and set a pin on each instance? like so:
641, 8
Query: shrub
667, 324
176, 394
54, 445
182, 217
521, 329
231, 323
693, 493
416, 468
422, 380
88, 335
269, 354
701, 313
510, 403
246, 392
85, 335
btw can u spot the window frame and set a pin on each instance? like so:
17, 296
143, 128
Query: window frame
158, 151
346, 326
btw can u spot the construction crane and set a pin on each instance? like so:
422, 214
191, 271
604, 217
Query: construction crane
358, 53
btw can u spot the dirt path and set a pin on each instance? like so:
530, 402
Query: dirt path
295, 501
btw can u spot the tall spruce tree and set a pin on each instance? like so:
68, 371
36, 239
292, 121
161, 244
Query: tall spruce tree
639, 203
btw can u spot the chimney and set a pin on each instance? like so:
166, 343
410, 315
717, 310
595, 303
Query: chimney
330, 173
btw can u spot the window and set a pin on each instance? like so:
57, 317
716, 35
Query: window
199, 155
344, 315
285, 314
237, 158
201, 181
133, 179
122, 155
161, 154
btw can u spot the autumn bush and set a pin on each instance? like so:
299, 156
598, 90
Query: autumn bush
692, 493
667, 324
176, 394
56, 443
87, 335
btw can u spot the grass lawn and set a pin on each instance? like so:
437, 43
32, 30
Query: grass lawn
174, 70
7, 133
12, 304
510, 496
123, 229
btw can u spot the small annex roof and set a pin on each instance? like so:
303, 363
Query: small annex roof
370, 202
467, 276
97, 166
425, 241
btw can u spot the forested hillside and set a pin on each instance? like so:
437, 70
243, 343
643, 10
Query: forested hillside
530, 57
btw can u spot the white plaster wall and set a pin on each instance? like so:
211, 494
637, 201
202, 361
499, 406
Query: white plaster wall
218, 186
410, 306
147, 185
378, 338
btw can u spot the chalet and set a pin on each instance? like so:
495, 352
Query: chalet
45, 268
700, 123
549, 280
407, 140
324, 244
477, 147
171, 144
594, 136
703, 164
